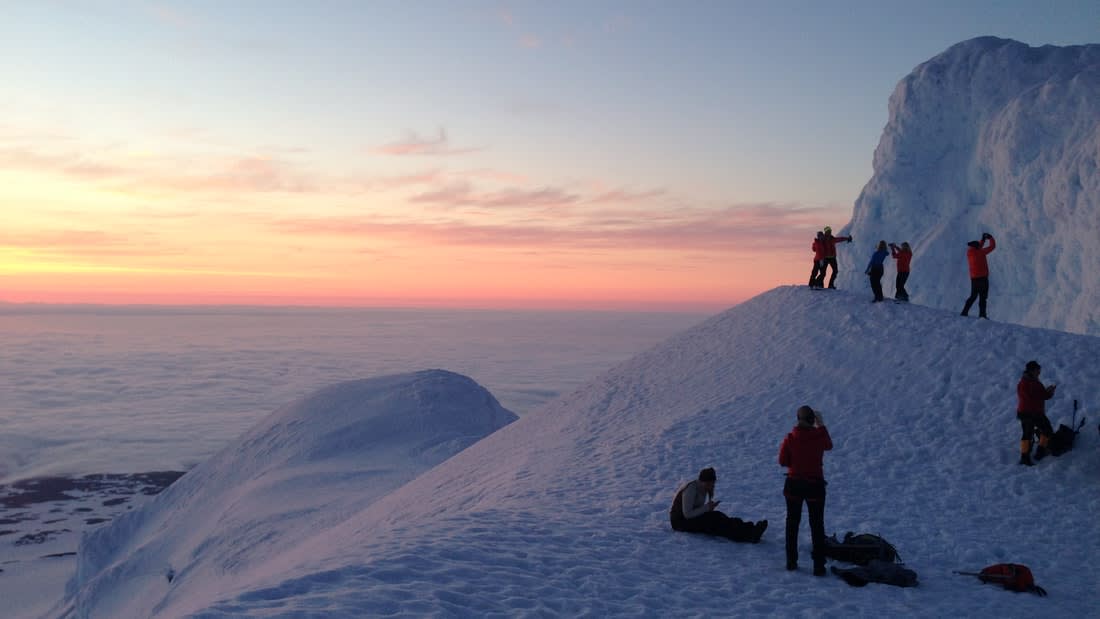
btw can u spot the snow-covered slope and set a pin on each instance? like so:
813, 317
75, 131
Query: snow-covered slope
564, 512
306, 467
992, 135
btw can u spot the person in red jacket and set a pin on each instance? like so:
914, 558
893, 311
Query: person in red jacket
979, 273
801, 452
1032, 397
817, 275
829, 245
903, 255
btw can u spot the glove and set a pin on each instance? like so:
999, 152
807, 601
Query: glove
849, 239
867, 272
986, 235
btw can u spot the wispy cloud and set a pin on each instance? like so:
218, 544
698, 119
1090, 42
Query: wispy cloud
753, 227
67, 164
463, 194
244, 174
414, 144
82, 242
241, 174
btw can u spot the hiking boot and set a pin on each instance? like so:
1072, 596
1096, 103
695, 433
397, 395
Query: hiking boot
1025, 459
792, 566
819, 570
1040, 453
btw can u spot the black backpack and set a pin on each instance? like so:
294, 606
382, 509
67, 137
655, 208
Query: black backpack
1062, 439
861, 549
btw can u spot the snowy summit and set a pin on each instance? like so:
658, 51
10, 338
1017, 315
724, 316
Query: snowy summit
306, 468
992, 136
565, 511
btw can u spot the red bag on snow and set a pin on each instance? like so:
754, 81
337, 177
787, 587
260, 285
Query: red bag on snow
1011, 576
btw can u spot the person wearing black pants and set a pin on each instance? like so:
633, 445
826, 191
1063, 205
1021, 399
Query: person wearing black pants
875, 271
812, 493
979, 273
904, 256
802, 452
693, 511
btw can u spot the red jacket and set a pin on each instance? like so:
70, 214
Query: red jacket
975, 256
1032, 396
802, 451
819, 250
830, 244
903, 257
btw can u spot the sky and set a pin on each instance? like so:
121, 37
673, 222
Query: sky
564, 155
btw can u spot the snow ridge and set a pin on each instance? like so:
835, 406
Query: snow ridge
564, 512
307, 466
992, 135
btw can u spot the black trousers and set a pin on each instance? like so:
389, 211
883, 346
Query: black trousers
899, 286
979, 289
817, 276
827, 262
717, 523
876, 281
1030, 423
812, 493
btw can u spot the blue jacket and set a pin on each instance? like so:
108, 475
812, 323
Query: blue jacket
877, 259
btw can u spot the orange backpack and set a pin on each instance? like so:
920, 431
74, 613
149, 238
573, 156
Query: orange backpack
1011, 576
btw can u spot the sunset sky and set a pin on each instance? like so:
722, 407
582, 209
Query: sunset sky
609, 155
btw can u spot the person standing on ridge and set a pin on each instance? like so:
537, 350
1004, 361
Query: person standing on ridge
693, 511
904, 256
1032, 398
830, 242
875, 270
979, 273
817, 275
802, 452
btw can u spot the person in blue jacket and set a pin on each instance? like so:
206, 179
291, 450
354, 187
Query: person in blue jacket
875, 270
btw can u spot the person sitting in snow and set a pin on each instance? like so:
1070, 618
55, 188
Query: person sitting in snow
829, 252
802, 452
1032, 398
903, 255
817, 275
979, 273
875, 270
694, 511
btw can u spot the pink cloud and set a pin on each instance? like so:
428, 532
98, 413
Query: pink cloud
414, 144
759, 227
246, 174
81, 242
463, 194
67, 164
243, 174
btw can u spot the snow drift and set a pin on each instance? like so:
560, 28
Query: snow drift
307, 466
564, 511
992, 135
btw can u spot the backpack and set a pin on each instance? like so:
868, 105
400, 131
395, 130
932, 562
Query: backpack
1062, 439
1011, 576
878, 571
860, 549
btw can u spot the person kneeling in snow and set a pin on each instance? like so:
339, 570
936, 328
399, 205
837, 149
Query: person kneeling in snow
693, 511
1031, 410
